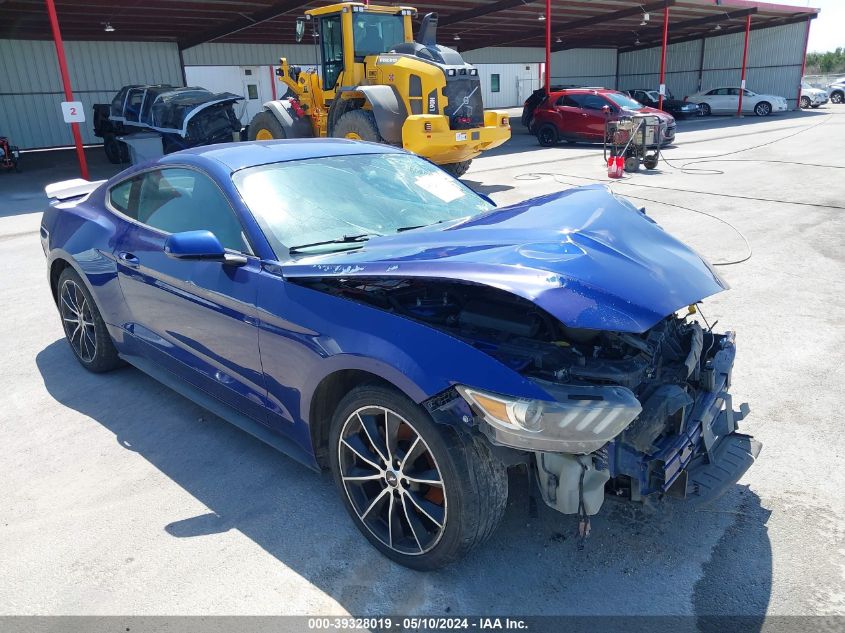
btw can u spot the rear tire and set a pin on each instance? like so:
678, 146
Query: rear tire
265, 127
84, 328
547, 135
457, 169
837, 96
417, 525
358, 125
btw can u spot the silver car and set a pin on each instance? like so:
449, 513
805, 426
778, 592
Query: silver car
836, 91
812, 97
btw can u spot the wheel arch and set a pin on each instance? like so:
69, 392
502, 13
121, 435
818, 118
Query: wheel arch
293, 125
326, 396
57, 267
387, 106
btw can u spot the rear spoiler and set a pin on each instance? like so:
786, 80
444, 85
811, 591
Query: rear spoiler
67, 189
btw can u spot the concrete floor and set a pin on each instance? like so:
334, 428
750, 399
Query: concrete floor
118, 496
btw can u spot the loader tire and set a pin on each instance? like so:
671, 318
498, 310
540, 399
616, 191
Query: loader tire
265, 127
457, 169
358, 125
116, 151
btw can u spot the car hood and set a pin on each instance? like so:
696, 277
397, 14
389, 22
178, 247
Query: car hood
663, 116
586, 256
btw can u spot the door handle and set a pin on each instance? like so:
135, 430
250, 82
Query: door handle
129, 259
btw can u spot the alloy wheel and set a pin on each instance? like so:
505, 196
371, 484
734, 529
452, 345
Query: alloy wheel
78, 321
392, 480
836, 97
805, 102
762, 109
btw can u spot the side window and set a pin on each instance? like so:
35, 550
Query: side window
573, 101
494, 83
733, 92
594, 102
715, 92
176, 200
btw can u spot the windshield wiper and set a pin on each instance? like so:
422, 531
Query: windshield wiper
346, 239
418, 226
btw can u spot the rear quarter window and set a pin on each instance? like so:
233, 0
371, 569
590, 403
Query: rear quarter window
119, 196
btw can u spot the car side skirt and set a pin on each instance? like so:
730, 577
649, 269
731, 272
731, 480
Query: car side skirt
222, 410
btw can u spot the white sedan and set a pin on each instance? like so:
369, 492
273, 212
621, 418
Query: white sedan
726, 101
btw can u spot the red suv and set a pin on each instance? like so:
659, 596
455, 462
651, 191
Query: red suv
579, 114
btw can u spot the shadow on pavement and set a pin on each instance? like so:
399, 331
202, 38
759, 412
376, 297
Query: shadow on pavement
670, 560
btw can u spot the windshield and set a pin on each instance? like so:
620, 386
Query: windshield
377, 33
335, 197
624, 102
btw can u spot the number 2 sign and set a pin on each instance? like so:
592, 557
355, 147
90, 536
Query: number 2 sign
72, 112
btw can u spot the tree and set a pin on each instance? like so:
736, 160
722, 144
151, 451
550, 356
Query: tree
826, 63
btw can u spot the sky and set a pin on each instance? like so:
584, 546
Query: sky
826, 32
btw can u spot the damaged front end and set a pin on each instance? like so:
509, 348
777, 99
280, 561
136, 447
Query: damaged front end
628, 414
633, 415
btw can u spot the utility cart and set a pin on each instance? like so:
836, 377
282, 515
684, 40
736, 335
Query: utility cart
635, 138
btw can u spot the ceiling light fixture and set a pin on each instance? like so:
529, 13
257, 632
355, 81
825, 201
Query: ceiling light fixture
646, 18
109, 28
541, 17
558, 40
457, 37
718, 27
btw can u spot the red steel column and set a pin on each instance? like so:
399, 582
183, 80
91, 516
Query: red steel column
60, 54
663, 57
548, 46
803, 66
744, 61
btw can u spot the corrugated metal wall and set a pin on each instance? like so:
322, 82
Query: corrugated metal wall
218, 54
584, 67
641, 69
774, 63
31, 89
505, 55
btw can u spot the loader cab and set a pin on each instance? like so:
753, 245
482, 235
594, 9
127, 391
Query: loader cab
348, 32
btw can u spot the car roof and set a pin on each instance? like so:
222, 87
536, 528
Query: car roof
236, 156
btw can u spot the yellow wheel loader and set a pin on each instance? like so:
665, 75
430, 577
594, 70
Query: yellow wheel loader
375, 82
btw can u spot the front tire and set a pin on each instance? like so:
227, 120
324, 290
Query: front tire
457, 169
116, 151
84, 328
837, 97
265, 127
763, 108
704, 109
423, 494
358, 125
805, 102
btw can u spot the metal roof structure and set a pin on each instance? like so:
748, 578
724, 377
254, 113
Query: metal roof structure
464, 24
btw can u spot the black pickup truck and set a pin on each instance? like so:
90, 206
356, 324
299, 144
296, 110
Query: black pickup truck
185, 117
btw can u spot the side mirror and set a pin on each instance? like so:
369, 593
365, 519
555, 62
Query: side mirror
200, 245
300, 28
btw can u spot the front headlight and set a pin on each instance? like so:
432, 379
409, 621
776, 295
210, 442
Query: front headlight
580, 420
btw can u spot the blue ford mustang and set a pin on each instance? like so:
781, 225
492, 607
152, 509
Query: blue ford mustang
360, 309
